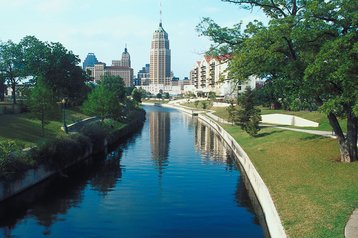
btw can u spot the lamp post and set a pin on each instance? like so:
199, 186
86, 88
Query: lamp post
64, 115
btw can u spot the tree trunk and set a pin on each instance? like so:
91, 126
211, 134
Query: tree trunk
347, 145
13, 87
352, 126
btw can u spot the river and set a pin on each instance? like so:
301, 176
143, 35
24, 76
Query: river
173, 178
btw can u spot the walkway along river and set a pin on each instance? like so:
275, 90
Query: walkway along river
175, 178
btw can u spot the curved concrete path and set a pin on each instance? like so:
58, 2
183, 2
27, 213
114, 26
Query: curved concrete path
351, 230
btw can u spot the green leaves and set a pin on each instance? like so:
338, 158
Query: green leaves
107, 100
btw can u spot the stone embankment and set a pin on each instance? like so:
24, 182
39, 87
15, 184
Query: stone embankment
42, 172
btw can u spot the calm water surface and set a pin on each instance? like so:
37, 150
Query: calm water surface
174, 178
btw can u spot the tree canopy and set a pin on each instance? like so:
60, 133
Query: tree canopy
52, 62
107, 100
308, 50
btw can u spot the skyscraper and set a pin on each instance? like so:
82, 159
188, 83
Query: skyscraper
160, 72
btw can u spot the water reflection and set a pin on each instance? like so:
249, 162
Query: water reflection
159, 138
201, 195
108, 174
212, 147
49, 202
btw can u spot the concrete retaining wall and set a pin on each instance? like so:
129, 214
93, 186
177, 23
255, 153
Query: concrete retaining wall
272, 218
273, 221
31, 178
283, 119
41, 173
77, 126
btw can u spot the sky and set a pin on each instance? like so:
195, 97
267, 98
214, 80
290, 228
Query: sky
104, 27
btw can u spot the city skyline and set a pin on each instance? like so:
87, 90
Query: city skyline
105, 28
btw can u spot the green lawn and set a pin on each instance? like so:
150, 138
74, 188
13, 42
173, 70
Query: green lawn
314, 194
313, 116
25, 129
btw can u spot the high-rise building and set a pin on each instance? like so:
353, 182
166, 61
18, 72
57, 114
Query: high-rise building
143, 75
90, 60
121, 68
160, 71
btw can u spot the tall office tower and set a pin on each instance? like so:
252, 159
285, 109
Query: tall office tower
160, 72
90, 61
126, 58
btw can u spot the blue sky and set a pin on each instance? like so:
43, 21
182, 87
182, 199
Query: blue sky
104, 27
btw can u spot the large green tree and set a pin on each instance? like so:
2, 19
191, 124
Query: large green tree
308, 48
11, 65
107, 100
57, 66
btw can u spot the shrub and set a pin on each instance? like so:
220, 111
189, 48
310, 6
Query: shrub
61, 152
13, 160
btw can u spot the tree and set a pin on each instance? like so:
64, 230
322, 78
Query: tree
308, 50
57, 66
41, 103
166, 96
248, 117
2, 88
212, 95
11, 65
137, 95
159, 95
107, 100
232, 112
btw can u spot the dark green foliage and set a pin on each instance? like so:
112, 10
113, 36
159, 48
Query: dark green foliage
137, 95
57, 66
97, 132
41, 103
212, 95
13, 160
248, 117
107, 100
2, 89
59, 153
308, 50
166, 96
11, 65
159, 95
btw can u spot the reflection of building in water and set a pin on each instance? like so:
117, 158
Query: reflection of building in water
159, 137
210, 144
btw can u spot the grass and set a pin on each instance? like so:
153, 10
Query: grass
27, 130
313, 116
314, 194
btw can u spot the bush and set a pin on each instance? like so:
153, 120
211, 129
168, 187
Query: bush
96, 132
61, 152
13, 160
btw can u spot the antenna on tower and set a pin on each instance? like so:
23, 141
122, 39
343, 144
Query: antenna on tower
160, 20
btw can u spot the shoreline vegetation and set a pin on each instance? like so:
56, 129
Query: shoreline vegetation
59, 153
314, 193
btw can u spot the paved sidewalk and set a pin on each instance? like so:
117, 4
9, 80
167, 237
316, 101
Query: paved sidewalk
351, 230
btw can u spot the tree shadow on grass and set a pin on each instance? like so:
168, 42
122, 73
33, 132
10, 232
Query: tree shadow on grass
267, 133
313, 137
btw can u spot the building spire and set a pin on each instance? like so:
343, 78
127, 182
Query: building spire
125, 48
161, 14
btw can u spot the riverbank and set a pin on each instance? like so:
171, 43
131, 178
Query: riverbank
314, 193
54, 158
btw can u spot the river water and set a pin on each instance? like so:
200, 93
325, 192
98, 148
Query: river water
173, 178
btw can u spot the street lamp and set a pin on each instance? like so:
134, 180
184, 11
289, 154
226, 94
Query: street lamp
64, 115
